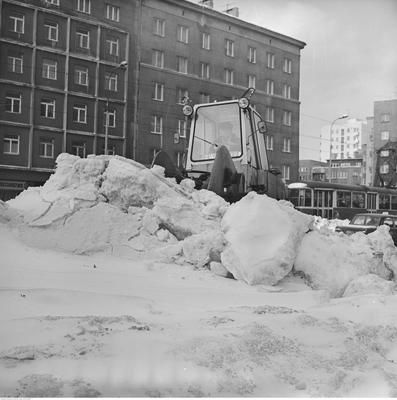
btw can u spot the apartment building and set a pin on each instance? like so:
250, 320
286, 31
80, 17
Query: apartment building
89, 77
63, 84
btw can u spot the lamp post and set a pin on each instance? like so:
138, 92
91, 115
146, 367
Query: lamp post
330, 143
122, 65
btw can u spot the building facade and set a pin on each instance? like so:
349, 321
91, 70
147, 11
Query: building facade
312, 170
368, 152
89, 77
348, 171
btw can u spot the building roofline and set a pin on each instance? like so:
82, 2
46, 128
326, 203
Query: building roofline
235, 20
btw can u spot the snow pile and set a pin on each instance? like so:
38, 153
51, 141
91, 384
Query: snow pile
331, 261
369, 284
262, 236
324, 224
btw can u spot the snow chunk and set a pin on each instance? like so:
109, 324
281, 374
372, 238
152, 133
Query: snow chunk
262, 236
369, 284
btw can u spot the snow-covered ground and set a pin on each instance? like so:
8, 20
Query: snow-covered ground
117, 282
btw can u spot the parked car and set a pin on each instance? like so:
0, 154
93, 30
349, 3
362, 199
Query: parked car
368, 223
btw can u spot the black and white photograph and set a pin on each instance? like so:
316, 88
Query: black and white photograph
198, 198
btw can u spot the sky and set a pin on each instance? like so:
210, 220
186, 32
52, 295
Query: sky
350, 58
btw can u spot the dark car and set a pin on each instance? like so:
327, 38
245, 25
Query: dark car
368, 223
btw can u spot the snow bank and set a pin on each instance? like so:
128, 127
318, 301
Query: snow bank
369, 284
331, 261
262, 237
324, 224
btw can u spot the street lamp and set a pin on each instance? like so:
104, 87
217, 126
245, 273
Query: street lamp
330, 143
122, 65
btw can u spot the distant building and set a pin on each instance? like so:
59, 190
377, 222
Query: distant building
347, 170
386, 166
368, 152
312, 170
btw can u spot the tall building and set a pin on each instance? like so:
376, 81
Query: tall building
368, 152
80, 76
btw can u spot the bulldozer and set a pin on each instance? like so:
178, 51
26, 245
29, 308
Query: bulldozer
227, 150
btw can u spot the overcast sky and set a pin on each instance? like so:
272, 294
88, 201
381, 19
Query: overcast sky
350, 58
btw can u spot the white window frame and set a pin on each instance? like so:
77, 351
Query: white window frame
111, 80
251, 81
269, 114
9, 143
287, 91
81, 76
16, 64
158, 94
157, 125
19, 24
50, 69
113, 46
15, 104
83, 38
287, 66
183, 34
286, 145
384, 153
182, 64
385, 117
229, 48
109, 118
81, 110
84, 6
182, 95
229, 76
385, 135
205, 41
252, 55
49, 108
76, 148
53, 2
159, 27
52, 31
286, 172
384, 168
270, 60
287, 118
158, 58
204, 70
269, 142
47, 145
182, 128
270, 86
113, 13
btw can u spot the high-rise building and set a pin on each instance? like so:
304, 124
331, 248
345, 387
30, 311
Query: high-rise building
80, 76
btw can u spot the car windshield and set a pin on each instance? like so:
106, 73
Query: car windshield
365, 220
216, 125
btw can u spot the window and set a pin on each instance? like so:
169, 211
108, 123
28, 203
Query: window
286, 145
51, 30
13, 103
182, 128
384, 135
47, 148
205, 41
111, 81
81, 76
252, 55
80, 114
109, 118
157, 125
229, 76
181, 64
53, 2
204, 70
384, 153
47, 108
384, 168
252, 81
269, 86
269, 142
229, 48
183, 34
112, 13
49, 70
269, 114
287, 67
17, 23
287, 91
270, 60
158, 91
159, 27
204, 98
113, 46
385, 117
182, 94
287, 118
11, 145
83, 39
15, 64
286, 171
158, 58
79, 149
84, 6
